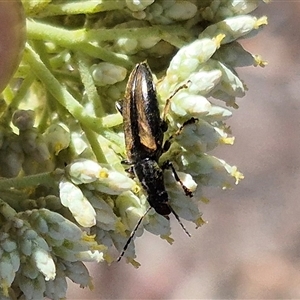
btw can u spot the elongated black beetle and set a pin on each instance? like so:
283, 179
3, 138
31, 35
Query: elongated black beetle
144, 133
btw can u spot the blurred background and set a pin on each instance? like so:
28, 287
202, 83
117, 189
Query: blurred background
250, 247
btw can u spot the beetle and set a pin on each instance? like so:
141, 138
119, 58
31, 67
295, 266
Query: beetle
144, 134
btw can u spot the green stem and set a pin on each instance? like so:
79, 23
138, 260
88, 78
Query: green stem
46, 178
75, 40
112, 120
80, 39
59, 92
168, 33
44, 117
92, 138
89, 85
80, 7
6, 210
22, 91
8, 94
40, 48
45, 32
103, 54
18, 97
59, 61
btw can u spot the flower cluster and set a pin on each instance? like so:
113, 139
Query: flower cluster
65, 194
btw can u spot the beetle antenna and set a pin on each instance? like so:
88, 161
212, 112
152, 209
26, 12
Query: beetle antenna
133, 233
168, 101
179, 221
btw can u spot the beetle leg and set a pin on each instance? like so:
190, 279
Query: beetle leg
133, 233
129, 170
168, 165
119, 106
167, 143
179, 221
168, 101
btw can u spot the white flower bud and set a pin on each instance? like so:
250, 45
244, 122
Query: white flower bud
199, 137
44, 263
84, 171
78, 273
191, 105
138, 5
25, 244
15, 260
230, 83
218, 113
11, 156
57, 137
157, 224
59, 228
233, 28
78, 142
7, 271
33, 288
182, 10
106, 217
235, 55
130, 209
7, 244
187, 60
107, 74
91, 256
204, 80
148, 42
23, 119
57, 288
38, 157
127, 45
113, 182
72, 197
243, 6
